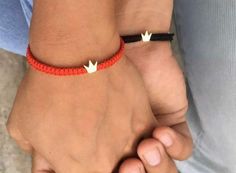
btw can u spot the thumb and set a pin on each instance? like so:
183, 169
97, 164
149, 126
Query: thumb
177, 140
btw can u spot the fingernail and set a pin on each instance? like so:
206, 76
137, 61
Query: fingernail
166, 140
153, 157
136, 170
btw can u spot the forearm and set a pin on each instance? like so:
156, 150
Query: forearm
71, 32
162, 76
136, 16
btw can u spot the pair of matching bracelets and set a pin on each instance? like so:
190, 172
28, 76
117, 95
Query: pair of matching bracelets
93, 67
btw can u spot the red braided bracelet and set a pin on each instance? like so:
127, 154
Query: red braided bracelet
64, 71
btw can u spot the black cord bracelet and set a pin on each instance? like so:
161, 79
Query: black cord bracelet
148, 37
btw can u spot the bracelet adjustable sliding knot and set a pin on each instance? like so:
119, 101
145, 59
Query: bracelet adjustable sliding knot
65, 71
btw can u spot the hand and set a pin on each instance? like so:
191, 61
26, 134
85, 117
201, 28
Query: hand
154, 157
160, 162
81, 123
163, 79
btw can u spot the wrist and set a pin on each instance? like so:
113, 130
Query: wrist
75, 51
71, 34
64, 71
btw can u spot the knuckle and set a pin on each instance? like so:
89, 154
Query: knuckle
129, 165
15, 133
143, 126
147, 143
16, 136
139, 128
186, 150
161, 130
12, 131
160, 146
189, 149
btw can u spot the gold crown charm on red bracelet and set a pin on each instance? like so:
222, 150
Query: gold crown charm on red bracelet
64, 71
